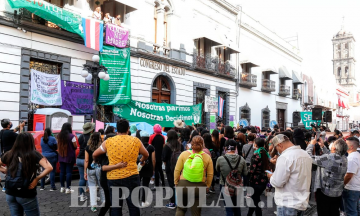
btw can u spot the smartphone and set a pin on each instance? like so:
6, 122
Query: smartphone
189, 146
267, 171
317, 135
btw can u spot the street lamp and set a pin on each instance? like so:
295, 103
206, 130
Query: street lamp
93, 72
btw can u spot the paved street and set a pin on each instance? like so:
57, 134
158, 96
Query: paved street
56, 203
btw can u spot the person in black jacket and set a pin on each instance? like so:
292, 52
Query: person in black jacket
299, 138
88, 129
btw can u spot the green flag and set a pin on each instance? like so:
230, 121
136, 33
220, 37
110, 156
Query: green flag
117, 90
306, 118
64, 19
159, 113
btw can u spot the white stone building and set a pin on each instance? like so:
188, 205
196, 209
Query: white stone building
200, 38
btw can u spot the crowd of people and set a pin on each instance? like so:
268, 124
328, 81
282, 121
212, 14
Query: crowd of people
293, 163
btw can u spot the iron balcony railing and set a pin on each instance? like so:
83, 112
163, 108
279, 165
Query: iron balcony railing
248, 80
213, 64
284, 90
268, 85
296, 94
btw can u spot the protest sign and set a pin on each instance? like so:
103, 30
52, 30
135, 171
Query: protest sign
77, 97
117, 90
116, 36
159, 113
45, 88
306, 119
211, 104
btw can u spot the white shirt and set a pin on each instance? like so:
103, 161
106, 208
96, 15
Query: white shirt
292, 178
354, 167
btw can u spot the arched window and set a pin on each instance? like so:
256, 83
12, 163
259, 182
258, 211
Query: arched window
245, 113
339, 72
346, 71
265, 116
161, 90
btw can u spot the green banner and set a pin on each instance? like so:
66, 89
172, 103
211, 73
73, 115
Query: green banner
306, 118
159, 113
117, 90
64, 19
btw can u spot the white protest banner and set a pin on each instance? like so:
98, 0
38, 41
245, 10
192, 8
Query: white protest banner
57, 122
45, 88
211, 104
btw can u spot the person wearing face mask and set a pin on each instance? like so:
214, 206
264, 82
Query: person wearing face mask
292, 177
117, 20
7, 136
329, 178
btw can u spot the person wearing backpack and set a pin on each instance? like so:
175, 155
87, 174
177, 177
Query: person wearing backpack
23, 162
257, 176
231, 166
194, 168
48, 149
228, 134
147, 170
170, 155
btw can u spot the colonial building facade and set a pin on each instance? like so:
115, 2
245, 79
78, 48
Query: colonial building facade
194, 45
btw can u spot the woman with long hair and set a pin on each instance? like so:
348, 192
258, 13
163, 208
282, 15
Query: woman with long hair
185, 136
67, 146
228, 134
214, 154
180, 179
241, 140
48, 149
93, 170
215, 138
257, 176
172, 148
299, 138
22, 164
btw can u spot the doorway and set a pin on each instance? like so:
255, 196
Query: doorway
281, 118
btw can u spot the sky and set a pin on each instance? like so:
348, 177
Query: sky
314, 21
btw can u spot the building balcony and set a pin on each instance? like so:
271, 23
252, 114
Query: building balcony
309, 100
345, 81
296, 94
284, 90
211, 64
268, 85
248, 80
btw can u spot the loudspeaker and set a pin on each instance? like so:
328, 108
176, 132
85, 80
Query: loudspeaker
296, 117
317, 114
328, 116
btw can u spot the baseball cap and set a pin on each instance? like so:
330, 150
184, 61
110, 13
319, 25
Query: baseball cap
280, 138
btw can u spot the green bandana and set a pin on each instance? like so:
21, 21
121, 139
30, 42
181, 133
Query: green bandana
258, 152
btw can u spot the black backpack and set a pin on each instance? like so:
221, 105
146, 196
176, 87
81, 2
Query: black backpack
214, 155
18, 182
174, 157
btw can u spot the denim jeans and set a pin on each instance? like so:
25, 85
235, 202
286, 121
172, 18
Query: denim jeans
93, 181
285, 211
53, 162
66, 170
82, 181
351, 202
231, 211
20, 205
130, 183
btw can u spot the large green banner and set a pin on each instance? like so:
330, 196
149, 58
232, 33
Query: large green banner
117, 90
64, 19
159, 113
306, 118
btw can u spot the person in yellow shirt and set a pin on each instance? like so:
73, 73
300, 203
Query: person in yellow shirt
197, 145
125, 149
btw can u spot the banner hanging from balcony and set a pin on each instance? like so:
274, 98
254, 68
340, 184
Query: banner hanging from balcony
93, 33
306, 119
116, 36
117, 90
45, 89
64, 19
159, 113
211, 104
77, 97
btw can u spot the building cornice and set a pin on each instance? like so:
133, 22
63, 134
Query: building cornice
226, 5
270, 41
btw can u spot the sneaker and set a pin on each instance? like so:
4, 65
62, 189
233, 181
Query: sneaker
152, 181
62, 190
342, 213
244, 189
212, 189
68, 190
171, 206
145, 204
3, 189
275, 212
93, 209
42, 188
83, 198
53, 189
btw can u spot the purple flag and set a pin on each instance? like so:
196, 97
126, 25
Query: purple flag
116, 36
77, 97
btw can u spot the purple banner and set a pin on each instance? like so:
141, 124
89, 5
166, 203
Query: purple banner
77, 97
116, 36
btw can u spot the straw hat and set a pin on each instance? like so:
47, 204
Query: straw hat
179, 123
